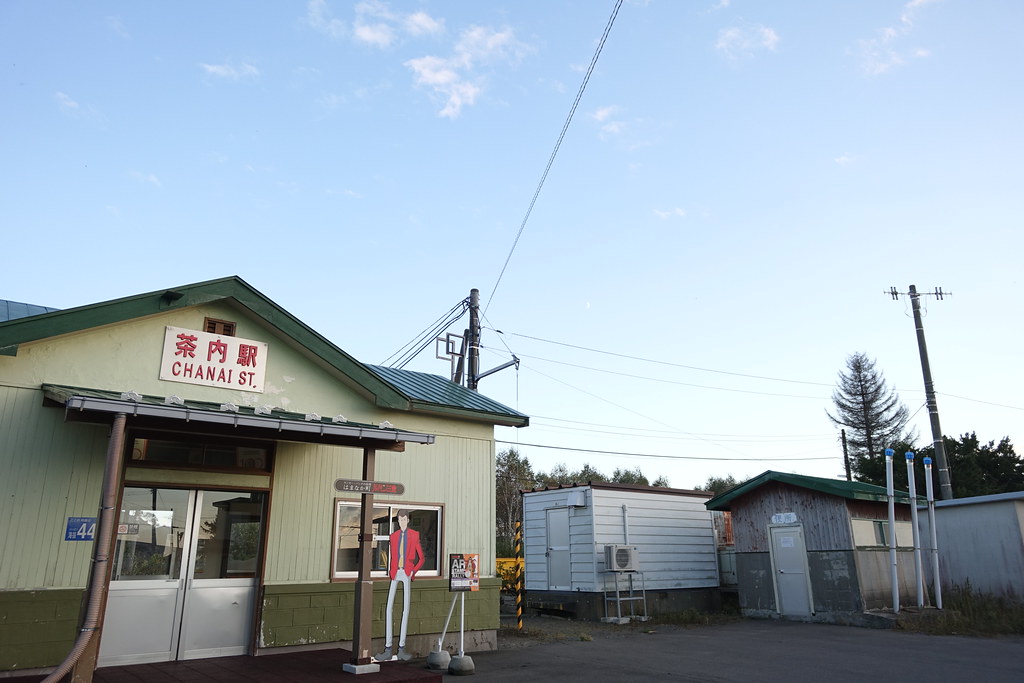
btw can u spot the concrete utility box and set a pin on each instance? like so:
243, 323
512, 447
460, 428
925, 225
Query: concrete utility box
816, 549
582, 542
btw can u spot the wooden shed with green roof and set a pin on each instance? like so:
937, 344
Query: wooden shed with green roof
817, 549
220, 431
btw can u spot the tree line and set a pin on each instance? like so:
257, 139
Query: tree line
515, 473
875, 419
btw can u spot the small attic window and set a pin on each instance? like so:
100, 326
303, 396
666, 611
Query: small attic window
225, 328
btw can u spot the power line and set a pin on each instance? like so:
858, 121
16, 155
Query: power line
720, 372
662, 362
667, 381
663, 437
750, 436
975, 400
427, 336
658, 455
558, 144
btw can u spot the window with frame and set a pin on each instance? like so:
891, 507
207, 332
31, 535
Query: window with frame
424, 519
175, 450
869, 533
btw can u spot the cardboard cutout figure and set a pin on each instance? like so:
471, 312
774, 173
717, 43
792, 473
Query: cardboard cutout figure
405, 558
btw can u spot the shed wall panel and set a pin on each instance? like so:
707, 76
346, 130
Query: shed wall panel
824, 518
673, 533
981, 543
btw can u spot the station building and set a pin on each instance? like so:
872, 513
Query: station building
214, 426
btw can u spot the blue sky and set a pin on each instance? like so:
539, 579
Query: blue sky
740, 183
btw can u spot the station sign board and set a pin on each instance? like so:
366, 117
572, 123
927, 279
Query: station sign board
362, 486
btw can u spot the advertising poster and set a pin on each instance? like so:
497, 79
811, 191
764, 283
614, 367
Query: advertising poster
463, 572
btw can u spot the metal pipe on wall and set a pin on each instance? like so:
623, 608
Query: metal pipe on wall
918, 572
101, 554
625, 524
936, 583
892, 531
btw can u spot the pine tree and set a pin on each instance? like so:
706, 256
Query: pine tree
873, 415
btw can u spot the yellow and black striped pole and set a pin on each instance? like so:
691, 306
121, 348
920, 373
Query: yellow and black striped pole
519, 576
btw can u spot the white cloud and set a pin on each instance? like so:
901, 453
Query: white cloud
115, 25
345, 193
330, 101
146, 178
885, 52
480, 43
319, 16
671, 213
721, 4
421, 23
66, 104
602, 113
453, 78
442, 76
379, 35
231, 72
374, 24
843, 160
743, 41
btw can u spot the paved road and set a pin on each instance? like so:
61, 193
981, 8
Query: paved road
760, 651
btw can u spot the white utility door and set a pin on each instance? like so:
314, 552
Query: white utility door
559, 569
789, 564
183, 584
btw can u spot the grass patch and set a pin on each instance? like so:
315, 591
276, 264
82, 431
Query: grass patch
968, 612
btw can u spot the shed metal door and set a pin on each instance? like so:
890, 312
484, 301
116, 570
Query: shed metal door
789, 563
559, 570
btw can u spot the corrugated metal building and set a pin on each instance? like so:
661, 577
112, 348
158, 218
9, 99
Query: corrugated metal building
566, 529
811, 548
981, 542
220, 423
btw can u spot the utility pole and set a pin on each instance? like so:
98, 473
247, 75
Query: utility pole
846, 458
468, 357
473, 373
945, 485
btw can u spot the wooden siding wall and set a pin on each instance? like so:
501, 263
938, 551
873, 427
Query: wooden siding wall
673, 533
455, 472
49, 471
824, 518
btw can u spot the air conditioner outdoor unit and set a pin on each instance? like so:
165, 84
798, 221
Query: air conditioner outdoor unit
621, 558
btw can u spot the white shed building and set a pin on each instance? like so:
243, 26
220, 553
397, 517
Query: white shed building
567, 528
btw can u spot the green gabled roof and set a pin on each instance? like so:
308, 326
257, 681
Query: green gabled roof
9, 310
387, 388
854, 490
432, 392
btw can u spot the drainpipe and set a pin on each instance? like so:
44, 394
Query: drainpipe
101, 552
625, 524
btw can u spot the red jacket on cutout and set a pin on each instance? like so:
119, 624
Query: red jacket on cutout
413, 553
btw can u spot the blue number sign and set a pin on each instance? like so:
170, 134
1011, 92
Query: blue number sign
80, 529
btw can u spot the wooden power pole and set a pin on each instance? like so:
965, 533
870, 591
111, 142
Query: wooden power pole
945, 485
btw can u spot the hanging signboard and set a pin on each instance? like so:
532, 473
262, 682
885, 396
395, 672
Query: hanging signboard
463, 572
362, 486
213, 360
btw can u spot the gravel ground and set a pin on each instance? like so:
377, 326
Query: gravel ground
539, 629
